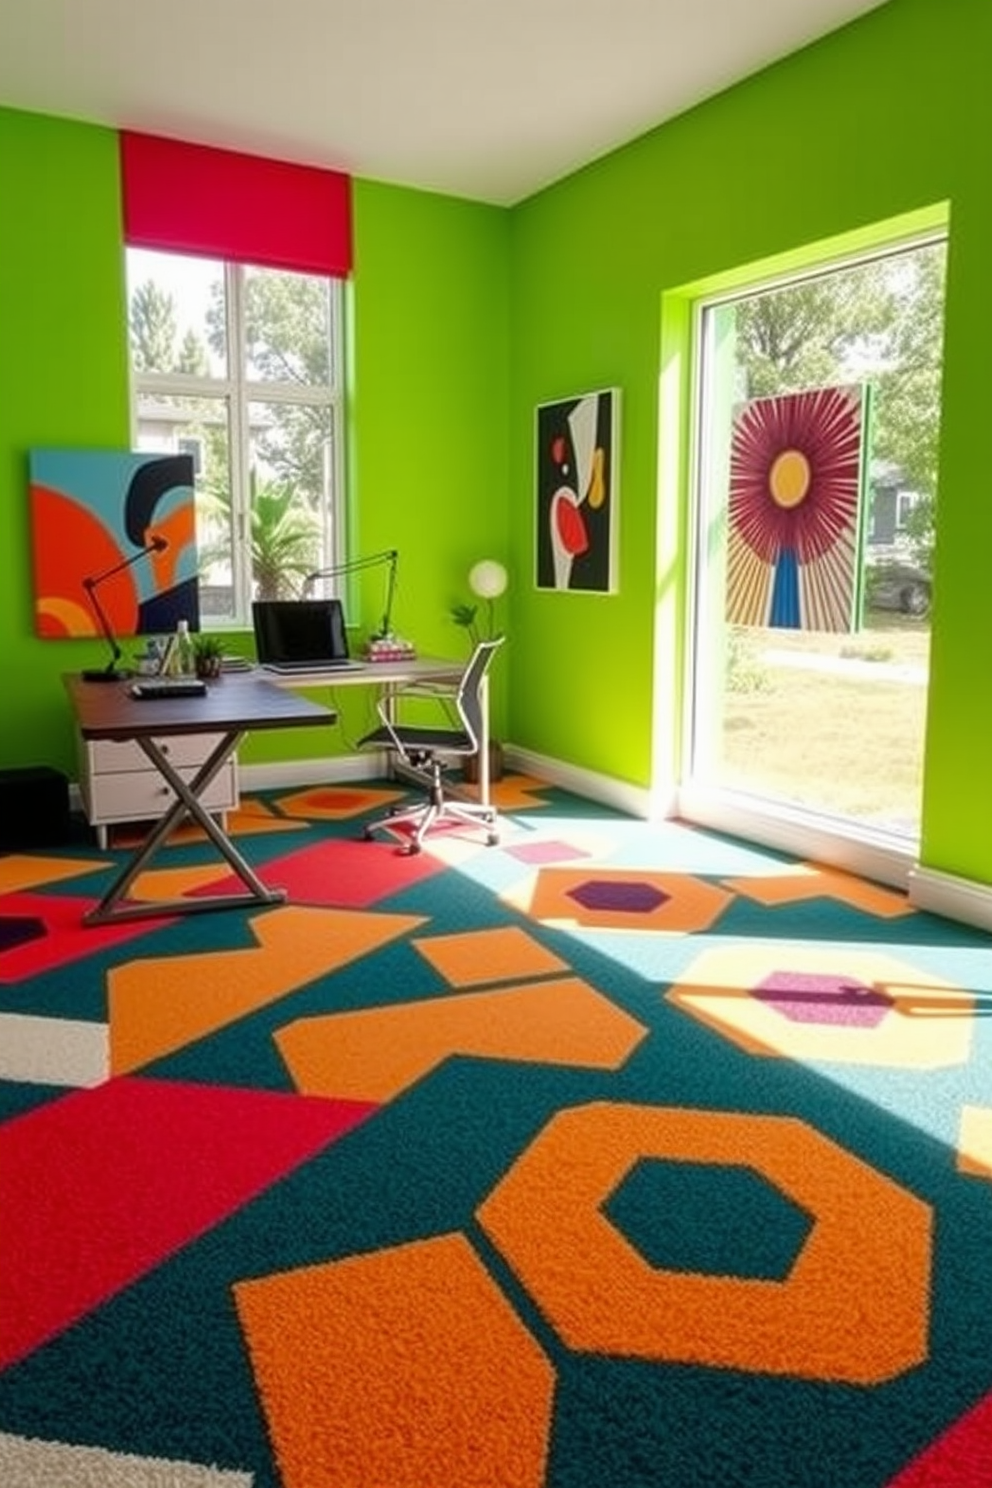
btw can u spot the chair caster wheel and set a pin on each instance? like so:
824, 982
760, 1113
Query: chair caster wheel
411, 850
368, 834
492, 840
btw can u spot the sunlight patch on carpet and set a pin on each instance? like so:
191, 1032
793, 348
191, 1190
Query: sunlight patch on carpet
975, 1142
858, 1007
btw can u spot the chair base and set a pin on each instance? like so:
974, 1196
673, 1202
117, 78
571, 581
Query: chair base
436, 813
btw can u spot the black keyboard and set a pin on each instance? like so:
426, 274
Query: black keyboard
166, 687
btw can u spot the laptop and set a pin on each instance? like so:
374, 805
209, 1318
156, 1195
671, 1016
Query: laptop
301, 635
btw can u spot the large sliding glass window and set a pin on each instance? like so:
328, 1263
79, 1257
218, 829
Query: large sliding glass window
818, 408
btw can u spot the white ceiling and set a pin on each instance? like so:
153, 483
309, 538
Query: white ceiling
487, 99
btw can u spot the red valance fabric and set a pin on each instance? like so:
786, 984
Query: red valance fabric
185, 198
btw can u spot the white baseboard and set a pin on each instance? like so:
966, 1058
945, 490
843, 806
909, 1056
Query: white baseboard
877, 856
633, 799
959, 899
298, 774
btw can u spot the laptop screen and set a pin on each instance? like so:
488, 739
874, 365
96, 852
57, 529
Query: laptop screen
292, 632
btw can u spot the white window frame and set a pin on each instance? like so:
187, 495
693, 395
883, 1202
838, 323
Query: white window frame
237, 391
780, 825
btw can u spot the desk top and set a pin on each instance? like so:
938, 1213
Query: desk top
405, 669
106, 710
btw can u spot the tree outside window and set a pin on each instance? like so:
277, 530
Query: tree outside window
244, 364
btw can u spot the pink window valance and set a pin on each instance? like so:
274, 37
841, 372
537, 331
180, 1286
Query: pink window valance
187, 198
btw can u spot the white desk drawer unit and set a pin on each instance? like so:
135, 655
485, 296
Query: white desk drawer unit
119, 783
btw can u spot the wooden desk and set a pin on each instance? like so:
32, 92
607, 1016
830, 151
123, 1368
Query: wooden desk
231, 707
391, 677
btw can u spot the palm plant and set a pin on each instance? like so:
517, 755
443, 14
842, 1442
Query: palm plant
285, 542
285, 539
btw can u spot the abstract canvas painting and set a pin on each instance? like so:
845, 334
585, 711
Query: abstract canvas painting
797, 474
124, 518
577, 493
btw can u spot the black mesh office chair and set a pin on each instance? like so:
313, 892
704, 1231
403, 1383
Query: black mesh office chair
429, 749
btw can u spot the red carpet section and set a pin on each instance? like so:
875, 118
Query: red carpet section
143, 1168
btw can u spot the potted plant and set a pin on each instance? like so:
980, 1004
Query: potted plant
487, 580
208, 651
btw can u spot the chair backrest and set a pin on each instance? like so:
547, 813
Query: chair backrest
468, 698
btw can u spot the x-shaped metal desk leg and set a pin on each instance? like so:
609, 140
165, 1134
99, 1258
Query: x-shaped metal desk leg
113, 907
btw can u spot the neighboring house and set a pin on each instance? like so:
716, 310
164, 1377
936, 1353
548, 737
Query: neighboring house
889, 505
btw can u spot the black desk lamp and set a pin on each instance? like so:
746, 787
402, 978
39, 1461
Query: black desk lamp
111, 672
389, 556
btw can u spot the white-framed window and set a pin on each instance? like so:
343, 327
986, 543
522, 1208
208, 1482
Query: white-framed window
801, 719
244, 368
906, 501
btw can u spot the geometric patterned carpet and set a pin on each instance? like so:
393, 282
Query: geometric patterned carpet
615, 1156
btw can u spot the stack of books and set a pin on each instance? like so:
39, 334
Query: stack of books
390, 648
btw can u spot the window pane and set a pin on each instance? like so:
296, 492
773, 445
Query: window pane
290, 488
200, 427
287, 328
176, 314
241, 368
792, 704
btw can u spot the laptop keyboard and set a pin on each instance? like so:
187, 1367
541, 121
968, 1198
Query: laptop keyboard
288, 667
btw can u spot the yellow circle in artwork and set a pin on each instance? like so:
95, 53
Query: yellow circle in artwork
789, 478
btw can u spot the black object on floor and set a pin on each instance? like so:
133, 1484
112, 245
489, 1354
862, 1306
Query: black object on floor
34, 808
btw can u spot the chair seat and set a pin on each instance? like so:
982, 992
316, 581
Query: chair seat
440, 741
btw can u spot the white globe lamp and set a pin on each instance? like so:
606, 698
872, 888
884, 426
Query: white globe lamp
488, 579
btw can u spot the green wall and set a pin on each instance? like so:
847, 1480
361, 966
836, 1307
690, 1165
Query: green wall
887, 116
63, 381
428, 440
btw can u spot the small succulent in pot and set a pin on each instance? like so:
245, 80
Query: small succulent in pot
208, 651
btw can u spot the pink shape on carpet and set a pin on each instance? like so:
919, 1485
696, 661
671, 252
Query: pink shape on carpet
100, 1186
827, 999
546, 852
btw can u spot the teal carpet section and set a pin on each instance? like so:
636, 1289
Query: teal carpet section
619, 1154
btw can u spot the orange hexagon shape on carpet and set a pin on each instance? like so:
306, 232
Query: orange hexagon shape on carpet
854, 1306
626, 899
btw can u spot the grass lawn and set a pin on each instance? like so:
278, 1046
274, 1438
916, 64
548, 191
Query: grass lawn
831, 722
